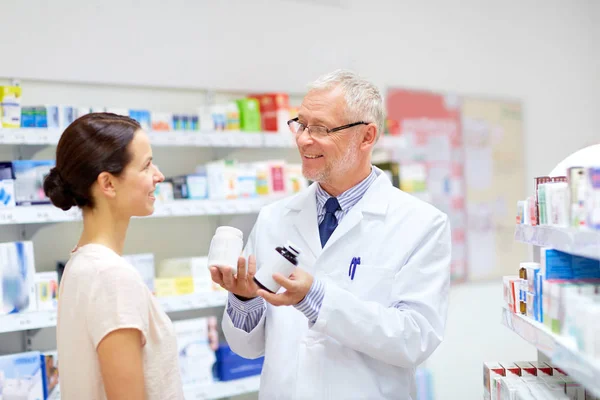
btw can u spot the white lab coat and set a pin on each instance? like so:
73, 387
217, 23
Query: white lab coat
360, 347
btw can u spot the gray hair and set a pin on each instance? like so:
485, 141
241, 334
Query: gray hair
363, 98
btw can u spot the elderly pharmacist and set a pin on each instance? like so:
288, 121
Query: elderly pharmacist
370, 304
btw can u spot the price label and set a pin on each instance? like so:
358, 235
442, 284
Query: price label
247, 140
190, 139
200, 301
7, 217
171, 138
187, 304
165, 305
199, 209
229, 139
540, 237
241, 388
220, 139
43, 216
201, 395
212, 209
44, 138
25, 322
208, 139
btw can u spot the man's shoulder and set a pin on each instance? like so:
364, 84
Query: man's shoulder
402, 203
285, 203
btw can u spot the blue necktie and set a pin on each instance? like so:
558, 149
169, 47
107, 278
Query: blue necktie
330, 222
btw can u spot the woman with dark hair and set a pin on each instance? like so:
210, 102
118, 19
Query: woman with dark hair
114, 341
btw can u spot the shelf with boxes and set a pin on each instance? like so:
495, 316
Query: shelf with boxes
213, 391
220, 187
47, 319
561, 350
219, 390
237, 139
30, 298
232, 139
530, 380
179, 284
39, 214
209, 370
257, 120
217, 188
554, 302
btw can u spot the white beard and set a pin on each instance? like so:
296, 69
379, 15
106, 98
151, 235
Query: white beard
341, 166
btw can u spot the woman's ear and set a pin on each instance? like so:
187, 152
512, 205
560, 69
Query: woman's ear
106, 184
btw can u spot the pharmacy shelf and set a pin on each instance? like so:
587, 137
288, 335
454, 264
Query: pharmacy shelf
27, 321
211, 391
562, 351
219, 390
585, 243
47, 319
194, 301
45, 136
41, 214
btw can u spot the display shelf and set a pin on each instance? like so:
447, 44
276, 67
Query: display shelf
26, 321
50, 136
208, 139
218, 390
581, 242
212, 391
47, 319
30, 136
562, 351
194, 301
178, 208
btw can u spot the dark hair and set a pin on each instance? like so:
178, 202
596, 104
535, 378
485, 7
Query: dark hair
92, 144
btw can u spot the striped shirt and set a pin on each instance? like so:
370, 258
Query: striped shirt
246, 315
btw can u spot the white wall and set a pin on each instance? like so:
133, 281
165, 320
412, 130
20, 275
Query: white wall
542, 53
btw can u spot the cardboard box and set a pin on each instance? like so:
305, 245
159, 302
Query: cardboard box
22, 376
274, 111
491, 371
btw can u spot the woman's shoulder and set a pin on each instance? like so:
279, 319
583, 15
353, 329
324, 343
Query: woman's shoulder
102, 263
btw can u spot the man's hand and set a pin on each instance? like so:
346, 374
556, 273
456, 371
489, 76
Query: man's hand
296, 288
241, 284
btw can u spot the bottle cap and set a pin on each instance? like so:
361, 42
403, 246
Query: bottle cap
230, 230
292, 248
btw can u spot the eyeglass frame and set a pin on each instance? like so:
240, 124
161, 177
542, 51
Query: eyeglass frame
329, 131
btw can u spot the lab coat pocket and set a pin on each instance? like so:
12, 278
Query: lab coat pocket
371, 283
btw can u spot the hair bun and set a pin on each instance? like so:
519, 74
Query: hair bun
58, 191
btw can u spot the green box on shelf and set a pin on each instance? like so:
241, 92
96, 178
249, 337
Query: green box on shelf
250, 120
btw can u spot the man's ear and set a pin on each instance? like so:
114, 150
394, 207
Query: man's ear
106, 184
370, 136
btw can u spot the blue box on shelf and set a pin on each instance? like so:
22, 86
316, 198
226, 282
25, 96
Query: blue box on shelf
230, 366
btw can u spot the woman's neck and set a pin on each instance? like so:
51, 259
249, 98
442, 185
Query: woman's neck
103, 227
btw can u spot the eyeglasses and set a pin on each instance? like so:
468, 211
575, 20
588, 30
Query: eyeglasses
318, 130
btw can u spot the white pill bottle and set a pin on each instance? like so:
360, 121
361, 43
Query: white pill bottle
226, 247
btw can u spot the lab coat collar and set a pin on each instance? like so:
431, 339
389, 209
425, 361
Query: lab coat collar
374, 202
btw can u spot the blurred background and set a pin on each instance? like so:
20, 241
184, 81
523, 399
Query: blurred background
481, 98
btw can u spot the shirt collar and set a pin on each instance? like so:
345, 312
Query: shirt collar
350, 197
